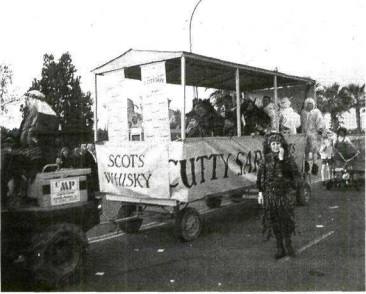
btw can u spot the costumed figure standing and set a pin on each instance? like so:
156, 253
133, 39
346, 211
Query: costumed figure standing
277, 175
313, 125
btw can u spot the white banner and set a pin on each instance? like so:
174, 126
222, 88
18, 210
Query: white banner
155, 103
207, 166
194, 169
134, 169
117, 115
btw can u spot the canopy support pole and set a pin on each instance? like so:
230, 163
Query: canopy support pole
96, 108
237, 84
275, 94
183, 111
314, 93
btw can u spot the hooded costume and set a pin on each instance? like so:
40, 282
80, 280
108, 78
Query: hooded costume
289, 119
312, 125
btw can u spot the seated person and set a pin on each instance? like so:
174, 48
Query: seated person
289, 119
65, 158
345, 150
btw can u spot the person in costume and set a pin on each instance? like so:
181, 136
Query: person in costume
277, 175
289, 118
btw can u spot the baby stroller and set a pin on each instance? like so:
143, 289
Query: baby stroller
342, 172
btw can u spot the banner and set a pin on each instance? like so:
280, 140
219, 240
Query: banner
155, 103
195, 168
206, 166
133, 169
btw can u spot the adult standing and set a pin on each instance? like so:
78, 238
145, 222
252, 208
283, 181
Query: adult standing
277, 175
313, 125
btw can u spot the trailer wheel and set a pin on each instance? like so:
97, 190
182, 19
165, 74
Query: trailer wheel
213, 202
130, 226
236, 198
57, 255
329, 185
303, 194
188, 224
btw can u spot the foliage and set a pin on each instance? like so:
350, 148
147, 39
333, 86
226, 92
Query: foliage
62, 89
357, 94
9, 135
335, 100
6, 79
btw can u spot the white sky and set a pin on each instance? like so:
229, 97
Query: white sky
321, 39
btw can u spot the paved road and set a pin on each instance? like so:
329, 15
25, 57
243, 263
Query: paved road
230, 254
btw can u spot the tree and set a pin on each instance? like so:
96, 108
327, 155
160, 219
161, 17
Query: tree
6, 80
62, 89
357, 94
335, 100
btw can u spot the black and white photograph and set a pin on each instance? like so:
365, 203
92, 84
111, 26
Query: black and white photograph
182, 146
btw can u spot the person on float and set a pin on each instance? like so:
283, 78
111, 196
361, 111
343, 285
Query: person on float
289, 119
270, 109
277, 175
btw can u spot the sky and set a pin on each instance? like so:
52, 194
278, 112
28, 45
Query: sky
324, 40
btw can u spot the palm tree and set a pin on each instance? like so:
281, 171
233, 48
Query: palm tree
335, 100
357, 93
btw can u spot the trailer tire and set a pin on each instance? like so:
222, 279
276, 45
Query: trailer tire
213, 202
236, 198
303, 194
329, 185
131, 226
57, 255
188, 224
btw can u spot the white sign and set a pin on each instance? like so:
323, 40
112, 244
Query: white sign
117, 114
65, 191
135, 169
155, 103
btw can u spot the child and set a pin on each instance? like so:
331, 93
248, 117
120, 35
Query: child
326, 155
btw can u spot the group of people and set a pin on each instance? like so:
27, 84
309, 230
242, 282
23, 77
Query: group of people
336, 150
278, 176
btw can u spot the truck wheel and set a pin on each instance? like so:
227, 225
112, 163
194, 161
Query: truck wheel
57, 255
303, 194
213, 202
130, 226
188, 224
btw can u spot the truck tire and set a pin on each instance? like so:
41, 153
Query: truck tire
303, 194
131, 226
57, 255
188, 224
213, 202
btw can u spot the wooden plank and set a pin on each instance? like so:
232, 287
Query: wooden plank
183, 111
237, 84
95, 108
275, 92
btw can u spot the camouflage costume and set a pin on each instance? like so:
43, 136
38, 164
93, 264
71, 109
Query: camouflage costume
276, 178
